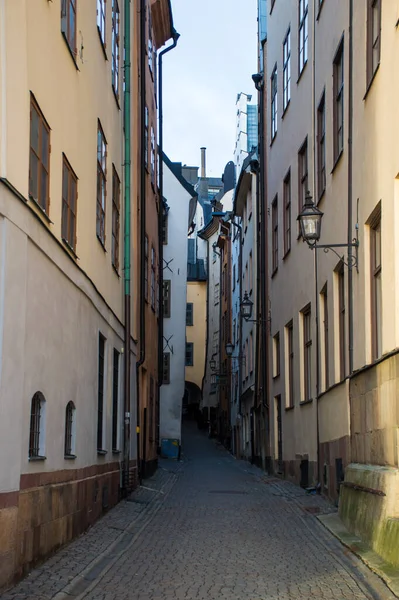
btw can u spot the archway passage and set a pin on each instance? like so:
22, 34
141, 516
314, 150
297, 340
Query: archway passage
191, 401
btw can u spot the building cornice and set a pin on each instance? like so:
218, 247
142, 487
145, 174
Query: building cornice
162, 21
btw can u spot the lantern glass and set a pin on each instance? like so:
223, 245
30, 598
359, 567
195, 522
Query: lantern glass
310, 221
246, 307
229, 349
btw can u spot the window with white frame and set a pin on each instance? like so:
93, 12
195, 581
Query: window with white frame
70, 430
115, 401
287, 70
115, 46
303, 31
101, 19
273, 105
100, 393
37, 428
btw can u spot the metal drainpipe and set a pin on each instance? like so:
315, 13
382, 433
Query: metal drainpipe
316, 274
141, 360
127, 248
160, 213
350, 201
263, 259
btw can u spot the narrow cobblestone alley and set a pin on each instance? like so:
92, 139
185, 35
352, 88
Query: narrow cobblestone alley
209, 528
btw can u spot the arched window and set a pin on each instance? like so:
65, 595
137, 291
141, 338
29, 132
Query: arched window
37, 424
70, 430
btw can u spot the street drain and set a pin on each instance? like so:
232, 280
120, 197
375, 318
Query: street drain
228, 492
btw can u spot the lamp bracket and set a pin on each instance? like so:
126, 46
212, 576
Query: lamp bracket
351, 261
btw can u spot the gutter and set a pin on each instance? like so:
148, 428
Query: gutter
350, 200
127, 250
141, 360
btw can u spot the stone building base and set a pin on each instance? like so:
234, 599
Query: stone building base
51, 509
369, 507
300, 471
334, 458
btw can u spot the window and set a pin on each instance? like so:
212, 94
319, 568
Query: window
376, 288
189, 354
274, 235
146, 249
39, 162
287, 213
290, 361
115, 400
151, 407
189, 314
321, 146
276, 355
234, 277
101, 19
146, 134
37, 426
69, 203
100, 392
224, 282
273, 107
226, 335
307, 353
101, 183
303, 34
116, 209
150, 43
373, 38
152, 156
165, 227
153, 272
339, 102
325, 334
287, 70
68, 23
303, 175
250, 272
251, 352
217, 293
115, 47
341, 316
166, 368
166, 298
70, 424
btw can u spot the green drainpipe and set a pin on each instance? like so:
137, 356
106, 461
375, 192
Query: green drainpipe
127, 238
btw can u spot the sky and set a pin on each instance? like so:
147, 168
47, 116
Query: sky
214, 60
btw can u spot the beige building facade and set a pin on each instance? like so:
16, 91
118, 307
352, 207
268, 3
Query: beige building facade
331, 130
62, 315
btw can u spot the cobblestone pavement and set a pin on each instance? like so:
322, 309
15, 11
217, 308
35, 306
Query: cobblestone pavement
208, 528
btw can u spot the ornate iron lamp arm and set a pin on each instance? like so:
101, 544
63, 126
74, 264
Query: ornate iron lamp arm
354, 257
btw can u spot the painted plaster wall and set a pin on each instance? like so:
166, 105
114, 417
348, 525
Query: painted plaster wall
292, 285
210, 393
175, 255
196, 293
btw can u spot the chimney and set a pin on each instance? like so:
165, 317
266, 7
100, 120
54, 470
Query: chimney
203, 162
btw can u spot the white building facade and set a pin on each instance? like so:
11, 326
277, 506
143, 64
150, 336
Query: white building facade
179, 205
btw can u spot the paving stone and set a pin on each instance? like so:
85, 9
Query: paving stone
208, 528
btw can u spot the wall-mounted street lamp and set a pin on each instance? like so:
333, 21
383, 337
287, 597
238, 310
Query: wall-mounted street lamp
246, 307
229, 351
310, 223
